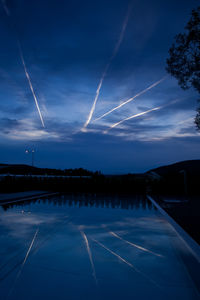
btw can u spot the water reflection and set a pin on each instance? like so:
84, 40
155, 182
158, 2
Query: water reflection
89, 247
134, 245
90, 255
85, 200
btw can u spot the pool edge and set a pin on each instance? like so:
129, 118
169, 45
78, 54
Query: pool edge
185, 237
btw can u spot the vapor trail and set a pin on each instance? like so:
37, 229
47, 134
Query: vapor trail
132, 117
132, 98
24, 261
90, 255
24, 65
5, 7
134, 245
142, 113
116, 49
30, 83
125, 261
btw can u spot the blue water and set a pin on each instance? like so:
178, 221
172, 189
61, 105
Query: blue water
92, 248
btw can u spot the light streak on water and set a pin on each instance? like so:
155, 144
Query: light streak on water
90, 255
134, 245
30, 83
126, 262
133, 116
115, 254
30, 247
116, 49
23, 263
132, 98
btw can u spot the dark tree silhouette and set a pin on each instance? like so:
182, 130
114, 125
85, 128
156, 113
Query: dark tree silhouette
184, 57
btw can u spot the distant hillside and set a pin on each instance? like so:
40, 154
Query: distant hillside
21, 169
190, 166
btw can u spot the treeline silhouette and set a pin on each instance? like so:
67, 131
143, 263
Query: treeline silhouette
181, 178
86, 200
126, 184
176, 184
20, 169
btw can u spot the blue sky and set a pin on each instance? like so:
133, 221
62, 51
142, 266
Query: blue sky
66, 46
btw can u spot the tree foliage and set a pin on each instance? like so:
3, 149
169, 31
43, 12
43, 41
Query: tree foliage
184, 57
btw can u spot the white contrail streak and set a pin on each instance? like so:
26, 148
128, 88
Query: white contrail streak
125, 261
142, 113
24, 65
134, 245
132, 117
90, 255
30, 83
5, 7
116, 49
24, 261
132, 98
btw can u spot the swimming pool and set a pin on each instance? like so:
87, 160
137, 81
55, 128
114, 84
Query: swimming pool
87, 247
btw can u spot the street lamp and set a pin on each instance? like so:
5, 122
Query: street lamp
32, 152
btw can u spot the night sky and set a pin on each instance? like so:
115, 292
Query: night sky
72, 51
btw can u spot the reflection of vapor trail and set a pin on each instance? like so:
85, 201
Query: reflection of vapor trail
132, 98
24, 261
49, 234
5, 7
90, 255
134, 245
30, 83
29, 249
10, 271
12, 258
125, 261
108, 65
132, 117
115, 254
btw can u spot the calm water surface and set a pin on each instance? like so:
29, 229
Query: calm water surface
92, 248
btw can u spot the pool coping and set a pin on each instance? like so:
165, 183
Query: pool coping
185, 237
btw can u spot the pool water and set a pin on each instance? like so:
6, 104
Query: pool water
87, 247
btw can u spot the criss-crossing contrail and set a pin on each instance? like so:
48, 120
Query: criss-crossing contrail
132, 98
142, 113
24, 64
24, 261
132, 117
116, 49
134, 245
90, 255
30, 83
